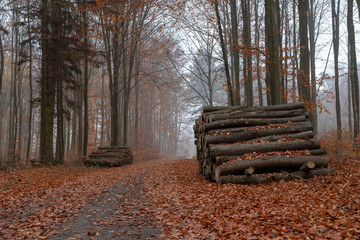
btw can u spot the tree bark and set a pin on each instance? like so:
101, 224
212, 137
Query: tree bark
246, 11
353, 71
257, 179
47, 91
240, 149
255, 134
224, 54
231, 123
303, 73
272, 44
336, 41
258, 114
235, 49
269, 162
224, 159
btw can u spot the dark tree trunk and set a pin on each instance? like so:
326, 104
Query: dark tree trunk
47, 96
235, 49
224, 54
303, 74
336, 41
246, 10
272, 43
353, 71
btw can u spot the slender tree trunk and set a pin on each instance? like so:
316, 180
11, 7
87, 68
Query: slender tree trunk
312, 57
86, 87
29, 140
137, 96
246, 10
235, 50
295, 58
257, 43
224, 54
335, 27
279, 30
353, 72
102, 109
2, 62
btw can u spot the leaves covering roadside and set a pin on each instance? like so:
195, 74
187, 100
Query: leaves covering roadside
320, 208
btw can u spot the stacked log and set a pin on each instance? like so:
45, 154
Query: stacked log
110, 157
250, 145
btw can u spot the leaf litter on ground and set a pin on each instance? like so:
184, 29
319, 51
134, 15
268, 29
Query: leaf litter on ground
34, 202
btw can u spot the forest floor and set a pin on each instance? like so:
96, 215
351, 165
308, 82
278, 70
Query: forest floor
168, 199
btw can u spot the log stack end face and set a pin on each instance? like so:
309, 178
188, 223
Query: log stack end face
249, 145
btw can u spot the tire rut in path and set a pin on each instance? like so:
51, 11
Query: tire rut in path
122, 212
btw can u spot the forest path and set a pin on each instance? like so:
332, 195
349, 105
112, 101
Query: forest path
122, 212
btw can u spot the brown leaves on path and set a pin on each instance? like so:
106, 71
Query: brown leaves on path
34, 202
193, 208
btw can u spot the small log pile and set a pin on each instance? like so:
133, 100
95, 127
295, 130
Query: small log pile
249, 145
110, 157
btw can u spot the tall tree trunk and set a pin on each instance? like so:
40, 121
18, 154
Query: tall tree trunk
29, 140
246, 11
80, 116
336, 41
137, 96
312, 60
224, 55
47, 97
353, 71
235, 50
279, 30
2, 62
303, 74
257, 44
272, 43
102, 109
295, 58
86, 88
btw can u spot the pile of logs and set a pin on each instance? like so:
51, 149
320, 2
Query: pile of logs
110, 157
249, 145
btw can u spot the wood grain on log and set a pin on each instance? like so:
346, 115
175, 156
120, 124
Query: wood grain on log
255, 133
257, 114
232, 123
240, 149
274, 161
256, 179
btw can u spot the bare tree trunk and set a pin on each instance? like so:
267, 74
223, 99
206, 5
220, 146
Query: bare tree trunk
29, 140
224, 54
86, 86
235, 49
2, 62
336, 42
246, 10
295, 58
312, 57
257, 43
272, 44
303, 73
47, 91
102, 109
353, 71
